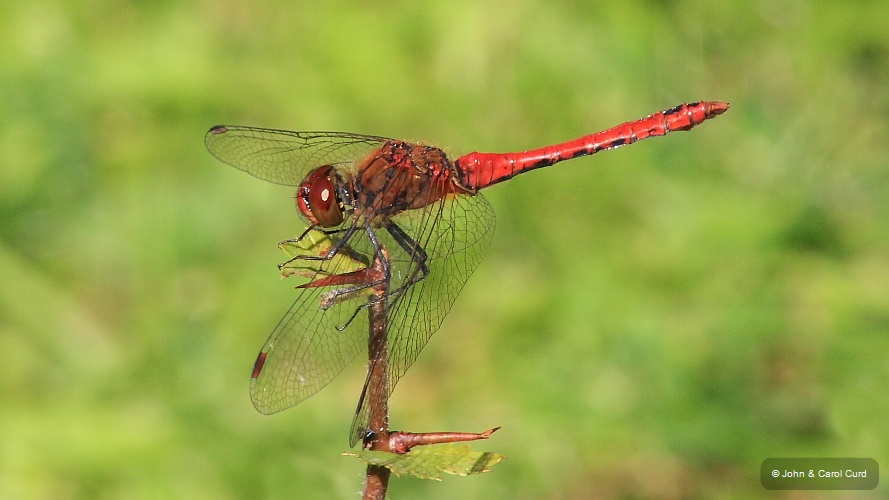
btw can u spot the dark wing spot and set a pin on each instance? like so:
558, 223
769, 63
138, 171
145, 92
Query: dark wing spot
257, 366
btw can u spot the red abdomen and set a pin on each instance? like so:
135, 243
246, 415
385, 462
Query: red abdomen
480, 170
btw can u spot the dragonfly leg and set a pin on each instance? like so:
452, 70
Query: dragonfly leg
339, 246
419, 257
370, 277
416, 252
381, 272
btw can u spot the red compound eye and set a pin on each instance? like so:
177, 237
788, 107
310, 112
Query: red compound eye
318, 199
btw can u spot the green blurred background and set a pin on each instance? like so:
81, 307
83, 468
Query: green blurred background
650, 322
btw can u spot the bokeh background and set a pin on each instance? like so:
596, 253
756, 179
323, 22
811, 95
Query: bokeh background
651, 322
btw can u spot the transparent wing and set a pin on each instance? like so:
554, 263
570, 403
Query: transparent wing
311, 344
455, 234
285, 157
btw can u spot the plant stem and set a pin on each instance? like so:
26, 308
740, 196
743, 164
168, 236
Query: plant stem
377, 478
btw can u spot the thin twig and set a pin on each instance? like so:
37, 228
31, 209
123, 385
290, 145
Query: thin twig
377, 478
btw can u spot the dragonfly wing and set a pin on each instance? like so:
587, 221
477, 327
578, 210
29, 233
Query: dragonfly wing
286, 157
317, 337
455, 234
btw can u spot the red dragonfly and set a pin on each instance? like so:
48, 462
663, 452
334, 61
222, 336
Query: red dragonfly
404, 209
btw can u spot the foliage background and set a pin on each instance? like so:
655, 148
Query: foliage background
651, 322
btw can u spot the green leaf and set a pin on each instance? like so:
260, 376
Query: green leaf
314, 243
430, 462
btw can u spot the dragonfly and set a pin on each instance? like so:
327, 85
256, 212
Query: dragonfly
381, 209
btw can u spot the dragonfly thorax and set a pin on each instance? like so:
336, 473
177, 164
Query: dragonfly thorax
322, 197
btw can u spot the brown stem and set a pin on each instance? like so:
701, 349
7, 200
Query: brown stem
377, 478
376, 481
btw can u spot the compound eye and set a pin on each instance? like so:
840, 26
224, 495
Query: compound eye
318, 200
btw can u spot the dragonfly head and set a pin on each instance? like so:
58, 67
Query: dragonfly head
320, 197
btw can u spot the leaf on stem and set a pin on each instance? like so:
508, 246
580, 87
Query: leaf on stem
430, 462
314, 243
